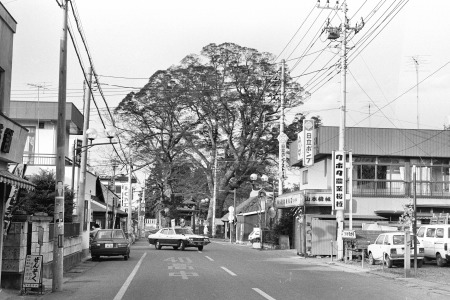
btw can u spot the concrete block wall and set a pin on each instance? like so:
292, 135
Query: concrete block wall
15, 248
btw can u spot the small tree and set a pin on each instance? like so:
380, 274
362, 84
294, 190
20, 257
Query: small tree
407, 217
42, 199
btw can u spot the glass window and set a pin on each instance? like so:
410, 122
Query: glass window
305, 177
365, 159
382, 172
440, 233
421, 232
398, 239
430, 232
379, 240
170, 231
118, 234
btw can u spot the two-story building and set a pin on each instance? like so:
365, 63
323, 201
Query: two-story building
381, 175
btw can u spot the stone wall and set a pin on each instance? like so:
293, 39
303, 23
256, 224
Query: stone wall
15, 249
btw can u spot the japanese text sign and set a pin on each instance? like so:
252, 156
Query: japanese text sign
33, 271
339, 180
308, 143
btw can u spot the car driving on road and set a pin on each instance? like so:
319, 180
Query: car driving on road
109, 242
178, 237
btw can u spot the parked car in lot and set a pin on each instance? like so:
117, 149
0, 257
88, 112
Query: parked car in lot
254, 235
391, 245
109, 242
178, 237
436, 241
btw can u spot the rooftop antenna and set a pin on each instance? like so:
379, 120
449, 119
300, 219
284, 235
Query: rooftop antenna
38, 86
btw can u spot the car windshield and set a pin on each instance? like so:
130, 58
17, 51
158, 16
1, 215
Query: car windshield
110, 234
400, 239
183, 231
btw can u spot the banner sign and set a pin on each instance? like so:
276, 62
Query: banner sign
308, 142
32, 276
339, 176
290, 200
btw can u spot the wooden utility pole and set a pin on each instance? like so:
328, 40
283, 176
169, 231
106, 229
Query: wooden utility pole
58, 242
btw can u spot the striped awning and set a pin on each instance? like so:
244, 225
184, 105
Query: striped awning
11, 179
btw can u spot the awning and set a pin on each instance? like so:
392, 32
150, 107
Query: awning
11, 179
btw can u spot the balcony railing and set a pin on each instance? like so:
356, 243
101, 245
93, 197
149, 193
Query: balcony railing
42, 159
397, 188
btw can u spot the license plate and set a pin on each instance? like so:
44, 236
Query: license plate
108, 245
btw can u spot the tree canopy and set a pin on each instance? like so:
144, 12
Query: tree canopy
216, 113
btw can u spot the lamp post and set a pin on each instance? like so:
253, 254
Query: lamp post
89, 134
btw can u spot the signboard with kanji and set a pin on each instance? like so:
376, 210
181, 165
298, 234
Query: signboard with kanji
308, 142
32, 275
339, 180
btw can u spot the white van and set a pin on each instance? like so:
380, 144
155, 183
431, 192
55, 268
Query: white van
436, 241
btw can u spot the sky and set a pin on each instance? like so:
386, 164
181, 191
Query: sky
130, 40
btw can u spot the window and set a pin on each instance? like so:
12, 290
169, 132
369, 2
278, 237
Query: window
421, 232
430, 232
305, 177
41, 125
440, 233
379, 240
398, 239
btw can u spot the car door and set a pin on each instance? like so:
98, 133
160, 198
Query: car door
439, 241
428, 242
377, 248
171, 237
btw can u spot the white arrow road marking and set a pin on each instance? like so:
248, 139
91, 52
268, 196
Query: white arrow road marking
263, 294
125, 286
228, 271
209, 258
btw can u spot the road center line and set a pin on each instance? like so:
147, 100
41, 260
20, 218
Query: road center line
228, 271
209, 258
125, 286
263, 294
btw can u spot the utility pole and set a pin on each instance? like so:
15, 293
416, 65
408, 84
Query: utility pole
83, 219
282, 137
130, 196
113, 184
213, 225
58, 241
334, 33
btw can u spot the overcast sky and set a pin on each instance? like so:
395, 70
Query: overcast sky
132, 39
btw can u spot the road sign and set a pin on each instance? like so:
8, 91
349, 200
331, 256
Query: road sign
348, 234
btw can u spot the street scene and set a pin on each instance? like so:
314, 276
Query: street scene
224, 149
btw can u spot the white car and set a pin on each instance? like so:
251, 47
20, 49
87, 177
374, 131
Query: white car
178, 237
391, 245
436, 241
255, 234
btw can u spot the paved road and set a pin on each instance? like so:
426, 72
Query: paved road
227, 271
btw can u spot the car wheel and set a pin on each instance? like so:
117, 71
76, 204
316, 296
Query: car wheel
371, 259
175, 247
158, 245
200, 248
125, 257
389, 262
182, 245
95, 257
419, 263
440, 261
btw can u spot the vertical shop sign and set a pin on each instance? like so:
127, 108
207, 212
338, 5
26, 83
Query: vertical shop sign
339, 173
308, 142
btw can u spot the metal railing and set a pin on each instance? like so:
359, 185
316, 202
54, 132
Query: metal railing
70, 230
398, 188
42, 159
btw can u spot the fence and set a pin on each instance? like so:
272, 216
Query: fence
70, 230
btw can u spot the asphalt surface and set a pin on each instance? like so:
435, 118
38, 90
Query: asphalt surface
232, 271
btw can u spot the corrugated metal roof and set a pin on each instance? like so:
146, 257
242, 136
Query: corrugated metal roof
387, 142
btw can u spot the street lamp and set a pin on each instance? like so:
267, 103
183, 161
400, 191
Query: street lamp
89, 134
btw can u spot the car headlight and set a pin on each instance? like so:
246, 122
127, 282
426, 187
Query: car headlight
190, 240
206, 240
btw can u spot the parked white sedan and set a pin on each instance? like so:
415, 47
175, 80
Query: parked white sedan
392, 246
178, 237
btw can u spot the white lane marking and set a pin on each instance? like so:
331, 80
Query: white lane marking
125, 286
183, 274
209, 258
228, 271
263, 294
